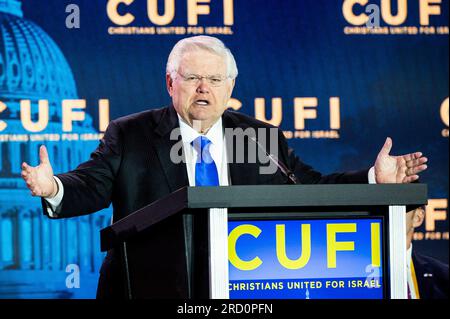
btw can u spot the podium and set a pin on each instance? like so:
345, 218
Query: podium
177, 247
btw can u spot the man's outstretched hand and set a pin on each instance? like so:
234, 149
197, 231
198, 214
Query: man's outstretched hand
398, 169
40, 179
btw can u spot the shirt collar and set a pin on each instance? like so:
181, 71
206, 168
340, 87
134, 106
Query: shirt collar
214, 134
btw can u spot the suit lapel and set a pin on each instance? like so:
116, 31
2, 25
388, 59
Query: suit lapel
175, 173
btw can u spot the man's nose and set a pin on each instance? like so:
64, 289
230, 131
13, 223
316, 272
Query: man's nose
202, 86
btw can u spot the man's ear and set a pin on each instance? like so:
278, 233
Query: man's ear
419, 216
233, 82
169, 84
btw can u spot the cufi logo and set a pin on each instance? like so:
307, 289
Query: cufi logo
305, 108
120, 12
305, 111
353, 14
72, 111
436, 210
333, 245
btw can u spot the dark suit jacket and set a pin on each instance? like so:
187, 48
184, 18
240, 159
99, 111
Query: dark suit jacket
131, 168
432, 276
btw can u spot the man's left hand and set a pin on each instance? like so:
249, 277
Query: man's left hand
398, 169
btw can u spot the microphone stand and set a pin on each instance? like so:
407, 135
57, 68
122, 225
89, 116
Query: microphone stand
283, 168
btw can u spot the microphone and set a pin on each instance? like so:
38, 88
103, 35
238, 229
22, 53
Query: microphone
286, 171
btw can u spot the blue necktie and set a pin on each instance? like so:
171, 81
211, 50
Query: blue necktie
205, 168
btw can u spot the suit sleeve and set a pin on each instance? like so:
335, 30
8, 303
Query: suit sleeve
307, 175
89, 187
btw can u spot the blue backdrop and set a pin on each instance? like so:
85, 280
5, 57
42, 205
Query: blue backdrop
364, 71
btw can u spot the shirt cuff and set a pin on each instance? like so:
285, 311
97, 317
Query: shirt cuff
372, 179
54, 204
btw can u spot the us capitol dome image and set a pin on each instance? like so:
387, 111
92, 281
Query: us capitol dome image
38, 254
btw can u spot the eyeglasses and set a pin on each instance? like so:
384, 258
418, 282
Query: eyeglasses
194, 79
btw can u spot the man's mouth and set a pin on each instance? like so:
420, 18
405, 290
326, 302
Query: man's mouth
201, 102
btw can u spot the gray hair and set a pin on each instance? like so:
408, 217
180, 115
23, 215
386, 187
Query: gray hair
201, 42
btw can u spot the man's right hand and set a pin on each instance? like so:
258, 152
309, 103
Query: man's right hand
40, 179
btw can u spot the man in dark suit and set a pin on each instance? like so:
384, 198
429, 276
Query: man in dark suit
427, 276
138, 159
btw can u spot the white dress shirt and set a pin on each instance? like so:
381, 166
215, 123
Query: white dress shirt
217, 150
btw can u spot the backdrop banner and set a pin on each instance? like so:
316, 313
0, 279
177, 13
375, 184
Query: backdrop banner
337, 76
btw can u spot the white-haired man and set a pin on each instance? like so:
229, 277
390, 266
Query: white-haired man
133, 166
